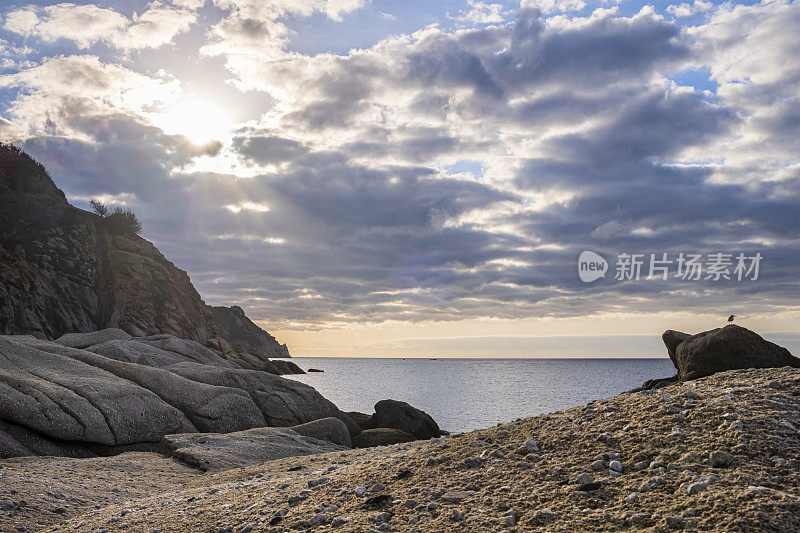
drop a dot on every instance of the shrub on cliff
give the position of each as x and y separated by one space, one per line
123 222
119 221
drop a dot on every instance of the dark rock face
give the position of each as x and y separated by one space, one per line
244 335
124 394
400 415
63 271
729 348
381 437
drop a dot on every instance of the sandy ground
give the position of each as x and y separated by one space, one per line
719 454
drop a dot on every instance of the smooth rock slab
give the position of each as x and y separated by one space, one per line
215 451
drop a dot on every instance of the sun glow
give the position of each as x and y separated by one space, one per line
199 121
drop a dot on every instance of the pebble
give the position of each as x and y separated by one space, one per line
510 518
638 519
599 464
456 515
632 498
530 445
779 461
544 515
317 519
339 521
316 482
360 491
674 522
413 519
432 506
378 487
615 465
457 496
720 459
383 518
584 479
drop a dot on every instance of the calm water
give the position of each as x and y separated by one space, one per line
467 394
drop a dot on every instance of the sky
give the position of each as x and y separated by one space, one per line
375 178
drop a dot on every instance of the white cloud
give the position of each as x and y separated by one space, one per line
89 24
482 13
685 10
555 6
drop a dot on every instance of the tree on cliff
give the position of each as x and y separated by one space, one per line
118 220
99 207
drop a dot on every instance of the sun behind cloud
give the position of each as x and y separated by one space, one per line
198 120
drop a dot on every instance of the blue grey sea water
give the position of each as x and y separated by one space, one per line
467 394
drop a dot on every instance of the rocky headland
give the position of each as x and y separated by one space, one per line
65 270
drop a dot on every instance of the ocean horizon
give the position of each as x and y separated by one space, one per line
465 394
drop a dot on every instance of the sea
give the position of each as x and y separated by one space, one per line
468 394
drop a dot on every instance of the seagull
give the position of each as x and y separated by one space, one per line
730 318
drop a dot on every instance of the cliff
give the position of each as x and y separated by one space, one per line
64 270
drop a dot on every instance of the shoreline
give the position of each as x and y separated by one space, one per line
487 479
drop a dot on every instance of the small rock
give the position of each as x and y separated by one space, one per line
632 498
599 464
638 519
360 491
383 518
377 487
457 496
544 515
777 461
615 465
530 445
689 513
316 482
456 515
585 478
339 521
721 459
317 519
674 522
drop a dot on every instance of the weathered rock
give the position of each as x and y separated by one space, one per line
402 416
381 437
84 340
729 348
330 429
364 421
214 451
58 400
65 399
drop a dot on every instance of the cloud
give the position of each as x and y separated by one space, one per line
554 6
89 24
340 204
684 10
482 13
